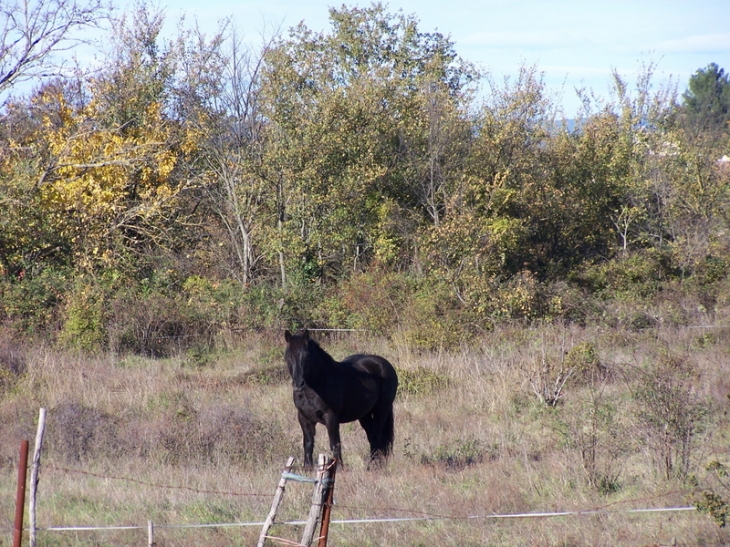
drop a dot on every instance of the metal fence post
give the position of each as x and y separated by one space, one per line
20 496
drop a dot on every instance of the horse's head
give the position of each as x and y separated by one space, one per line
297 357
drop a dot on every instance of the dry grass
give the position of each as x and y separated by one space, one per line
183 441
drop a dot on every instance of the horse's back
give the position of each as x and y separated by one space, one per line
379 368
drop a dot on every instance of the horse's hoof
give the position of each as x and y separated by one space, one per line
376 461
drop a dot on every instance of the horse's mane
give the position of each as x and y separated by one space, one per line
321 357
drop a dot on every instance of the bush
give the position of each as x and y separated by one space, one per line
76 432
301 305
433 319
671 412
583 360
522 297
420 381
148 324
592 425
231 433
12 360
83 326
31 303
218 434
637 275
157 324
369 301
708 500
180 434
268 376
571 303
548 378
457 454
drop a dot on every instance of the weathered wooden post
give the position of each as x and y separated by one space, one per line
324 472
150 534
34 472
20 495
275 504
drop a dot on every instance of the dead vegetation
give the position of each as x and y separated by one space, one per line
134 439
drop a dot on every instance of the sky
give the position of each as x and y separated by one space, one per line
574 43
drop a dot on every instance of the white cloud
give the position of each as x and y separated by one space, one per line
703 43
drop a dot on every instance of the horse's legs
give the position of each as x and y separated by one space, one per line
368 424
333 430
375 425
308 431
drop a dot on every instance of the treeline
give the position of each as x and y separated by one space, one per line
364 177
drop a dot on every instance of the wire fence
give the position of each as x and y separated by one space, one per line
391 515
376 520
415 515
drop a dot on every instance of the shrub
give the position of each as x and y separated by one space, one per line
31 303
522 297
12 360
261 307
432 319
231 433
420 381
369 301
268 376
571 303
636 275
708 500
457 454
592 426
583 360
548 378
714 505
83 326
148 324
158 325
76 432
217 434
672 413
301 306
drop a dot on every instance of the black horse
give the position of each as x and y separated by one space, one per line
362 387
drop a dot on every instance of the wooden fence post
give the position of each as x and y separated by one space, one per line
20 495
34 471
324 472
150 534
275 504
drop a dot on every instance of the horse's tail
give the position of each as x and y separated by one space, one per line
388 434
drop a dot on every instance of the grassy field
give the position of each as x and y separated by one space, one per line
492 429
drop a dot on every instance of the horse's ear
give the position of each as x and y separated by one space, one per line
305 334
287 335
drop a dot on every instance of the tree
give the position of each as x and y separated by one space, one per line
33 31
102 156
233 156
343 108
707 99
489 210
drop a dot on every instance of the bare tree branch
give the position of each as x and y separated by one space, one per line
31 31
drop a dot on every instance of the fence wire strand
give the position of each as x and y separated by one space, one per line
152 484
416 515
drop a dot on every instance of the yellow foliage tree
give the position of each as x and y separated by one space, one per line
106 189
